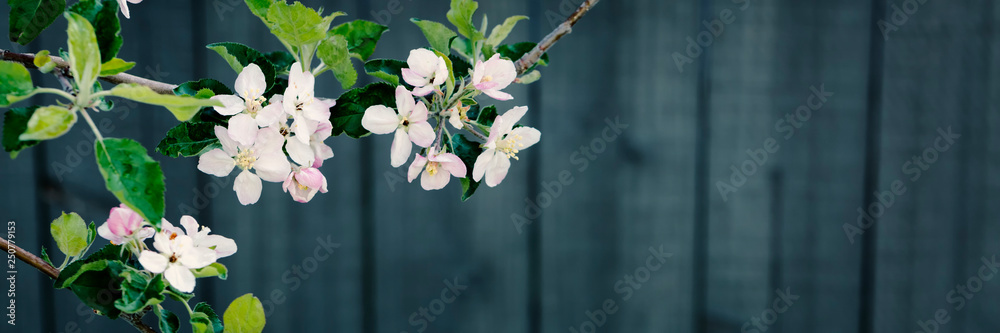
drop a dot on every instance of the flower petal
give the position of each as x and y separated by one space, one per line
412 78
483 161
228 144
216 162
243 128
433 182
180 278
152 261
272 167
300 152
527 136
510 118
497 171
400 150
419 113
380 119
269 140
498 95
453 164
250 83
190 225
269 115
247 186
422 61
223 246
231 104
404 102
441 73
422 134
197 257
419 162
423 91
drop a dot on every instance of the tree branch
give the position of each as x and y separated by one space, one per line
134 319
28 60
529 59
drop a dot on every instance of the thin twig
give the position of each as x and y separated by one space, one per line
529 59
134 319
28 60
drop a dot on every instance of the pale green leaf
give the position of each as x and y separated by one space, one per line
49 122
501 32
116 66
70 233
183 107
334 53
244 315
84 54
460 15
15 83
438 35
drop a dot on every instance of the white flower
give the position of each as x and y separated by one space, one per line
494 75
457 116
124 6
264 156
222 246
176 258
426 71
299 102
410 124
314 151
504 142
303 184
248 114
437 169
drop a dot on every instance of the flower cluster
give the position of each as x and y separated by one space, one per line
410 123
178 252
261 131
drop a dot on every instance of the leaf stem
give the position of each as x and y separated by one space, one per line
55 91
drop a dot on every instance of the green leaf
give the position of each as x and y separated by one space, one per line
516 51
529 78
438 35
103 16
15 83
238 56
189 139
70 233
45 256
181 106
94 282
213 270
168 321
138 291
362 36
462 46
91 235
297 24
501 32
84 54
460 15
484 116
244 315
115 66
43 61
346 115
200 323
282 61
334 53
468 151
260 7
49 122
389 70
132 176
204 88
15 122
28 18
206 309
461 68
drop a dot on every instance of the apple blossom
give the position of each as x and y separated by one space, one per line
246 107
426 71
410 124
494 75
457 116
222 246
124 225
176 258
303 184
264 156
437 169
504 143
314 151
124 6
298 101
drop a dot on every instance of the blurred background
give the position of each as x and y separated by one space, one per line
833 106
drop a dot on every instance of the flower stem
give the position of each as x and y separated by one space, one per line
97 133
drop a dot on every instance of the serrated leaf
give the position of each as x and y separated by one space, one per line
28 18
501 32
259 8
166 320
484 116
460 67
200 323
189 139
84 54
138 291
460 15
203 307
238 56
182 107
468 151
282 61
346 115
297 24
132 176
15 83
462 46
48 122
244 315
389 70
93 281
116 66
70 233
362 36
103 16
437 34
15 122
334 53
516 51
196 88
